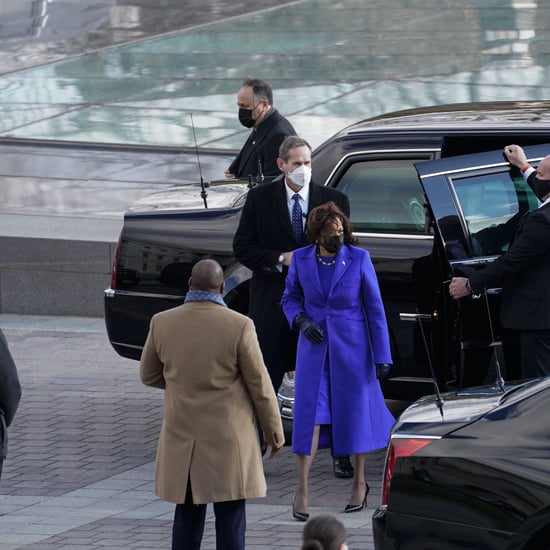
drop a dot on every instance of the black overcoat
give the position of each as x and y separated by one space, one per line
523 272
263 145
264 232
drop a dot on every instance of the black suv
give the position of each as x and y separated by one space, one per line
413 193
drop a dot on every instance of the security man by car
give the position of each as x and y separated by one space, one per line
523 272
258 156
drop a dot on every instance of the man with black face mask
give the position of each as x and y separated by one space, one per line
523 272
258 157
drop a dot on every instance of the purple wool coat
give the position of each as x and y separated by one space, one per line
356 337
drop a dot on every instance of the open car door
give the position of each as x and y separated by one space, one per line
475 203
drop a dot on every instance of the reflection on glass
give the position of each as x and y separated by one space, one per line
492 206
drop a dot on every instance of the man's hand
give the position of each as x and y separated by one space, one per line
459 287
229 175
287 258
274 452
516 156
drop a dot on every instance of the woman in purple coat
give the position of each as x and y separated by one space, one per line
332 297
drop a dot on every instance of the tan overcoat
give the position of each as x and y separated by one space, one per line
207 359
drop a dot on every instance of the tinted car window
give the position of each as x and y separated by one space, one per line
492 205
385 196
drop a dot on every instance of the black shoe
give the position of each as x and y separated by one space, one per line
357 507
343 467
300 516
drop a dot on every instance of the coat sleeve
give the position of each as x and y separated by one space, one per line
293 295
151 368
344 204
270 154
245 242
531 244
258 383
10 387
374 310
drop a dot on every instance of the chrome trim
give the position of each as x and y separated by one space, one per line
467 169
377 152
415 237
413 436
414 316
474 261
126 345
110 293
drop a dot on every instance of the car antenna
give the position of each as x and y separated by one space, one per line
260 176
499 380
438 399
204 194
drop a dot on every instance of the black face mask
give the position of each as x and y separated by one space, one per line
245 118
541 188
334 243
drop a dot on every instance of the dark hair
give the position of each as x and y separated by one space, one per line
324 214
291 142
323 532
260 89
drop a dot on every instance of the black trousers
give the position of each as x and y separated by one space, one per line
535 353
189 521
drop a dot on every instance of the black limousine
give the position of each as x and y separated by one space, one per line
469 469
417 180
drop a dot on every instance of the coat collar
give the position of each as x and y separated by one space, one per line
343 261
257 135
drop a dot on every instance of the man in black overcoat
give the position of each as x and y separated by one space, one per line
258 156
264 243
523 272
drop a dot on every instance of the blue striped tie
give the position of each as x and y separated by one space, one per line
297 225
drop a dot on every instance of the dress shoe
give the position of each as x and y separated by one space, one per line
342 467
357 507
300 516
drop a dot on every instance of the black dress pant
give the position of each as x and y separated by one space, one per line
189 521
535 353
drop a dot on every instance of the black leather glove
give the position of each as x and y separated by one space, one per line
310 329
382 370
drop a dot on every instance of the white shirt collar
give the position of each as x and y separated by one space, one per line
303 192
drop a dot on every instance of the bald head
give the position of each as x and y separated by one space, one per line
207 275
543 170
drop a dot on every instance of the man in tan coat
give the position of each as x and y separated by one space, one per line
207 359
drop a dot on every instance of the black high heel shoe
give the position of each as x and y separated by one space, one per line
357 507
300 516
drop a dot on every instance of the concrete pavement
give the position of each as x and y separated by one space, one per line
80 468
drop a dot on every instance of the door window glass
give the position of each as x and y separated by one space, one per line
385 196
492 205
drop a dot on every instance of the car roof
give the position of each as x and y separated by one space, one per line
505 116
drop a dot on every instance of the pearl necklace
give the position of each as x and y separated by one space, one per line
324 262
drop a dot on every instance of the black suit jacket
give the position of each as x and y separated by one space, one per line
264 232
523 272
263 145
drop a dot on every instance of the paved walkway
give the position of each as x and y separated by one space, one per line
80 469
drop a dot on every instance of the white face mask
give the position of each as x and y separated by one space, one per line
301 176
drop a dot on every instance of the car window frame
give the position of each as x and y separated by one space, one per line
417 154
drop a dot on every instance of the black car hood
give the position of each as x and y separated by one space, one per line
220 194
456 409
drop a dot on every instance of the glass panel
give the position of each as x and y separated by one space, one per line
385 196
493 205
